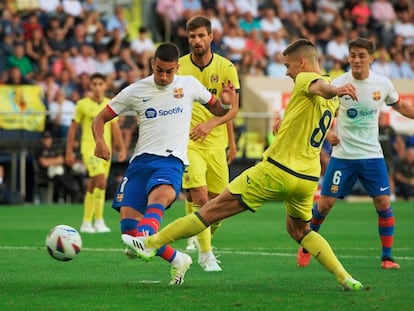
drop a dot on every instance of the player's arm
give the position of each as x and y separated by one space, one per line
322 88
225 104
119 141
232 148
404 108
70 143
98 126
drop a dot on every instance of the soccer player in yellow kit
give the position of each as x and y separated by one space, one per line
98 169
208 173
289 170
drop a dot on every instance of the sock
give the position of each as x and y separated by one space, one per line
88 207
386 231
99 202
149 225
320 249
183 227
317 218
204 237
129 226
214 227
188 207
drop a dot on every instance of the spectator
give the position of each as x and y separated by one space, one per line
401 6
57 42
89 6
361 15
315 26
64 61
77 39
337 50
37 48
400 69
404 174
171 13
103 64
61 111
142 49
66 83
117 21
236 42
84 61
15 77
256 47
244 6
82 86
31 24
92 25
50 157
50 87
116 43
216 23
384 17
247 23
404 27
192 8
328 10
124 64
270 23
19 59
217 44
381 64
73 8
289 7
276 43
336 69
276 66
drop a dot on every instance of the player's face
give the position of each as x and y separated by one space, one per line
98 87
360 60
164 72
199 41
293 66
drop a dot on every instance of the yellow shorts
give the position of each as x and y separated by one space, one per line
96 166
265 182
207 168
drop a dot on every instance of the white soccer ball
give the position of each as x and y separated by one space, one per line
63 243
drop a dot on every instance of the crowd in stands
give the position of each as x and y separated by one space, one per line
61 43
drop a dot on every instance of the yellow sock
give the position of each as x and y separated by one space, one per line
88 207
319 248
214 227
188 207
99 202
204 237
183 227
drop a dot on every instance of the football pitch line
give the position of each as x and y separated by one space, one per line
257 252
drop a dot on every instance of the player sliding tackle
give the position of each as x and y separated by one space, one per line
289 170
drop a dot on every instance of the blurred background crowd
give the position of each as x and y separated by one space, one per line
58 44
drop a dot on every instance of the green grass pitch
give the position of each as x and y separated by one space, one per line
256 253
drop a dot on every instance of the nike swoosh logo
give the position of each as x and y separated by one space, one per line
146 99
383 188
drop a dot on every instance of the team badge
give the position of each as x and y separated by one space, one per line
119 197
214 78
178 92
334 188
376 95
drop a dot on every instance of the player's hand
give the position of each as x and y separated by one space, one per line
102 151
228 92
201 131
122 155
231 154
333 138
347 89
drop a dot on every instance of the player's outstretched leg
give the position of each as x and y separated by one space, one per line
137 246
180 266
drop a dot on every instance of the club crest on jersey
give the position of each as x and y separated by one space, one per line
334 188
376 95
214 78
178 92
119 197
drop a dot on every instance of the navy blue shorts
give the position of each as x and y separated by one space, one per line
143 174
341 175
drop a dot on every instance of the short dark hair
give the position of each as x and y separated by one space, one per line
197 22
362 43
167 52
97 75
298 45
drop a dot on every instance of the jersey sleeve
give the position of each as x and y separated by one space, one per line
392 96
202 95
121 102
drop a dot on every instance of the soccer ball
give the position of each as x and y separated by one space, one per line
63 243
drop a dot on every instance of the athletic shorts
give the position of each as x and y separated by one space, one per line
266 182
143 174
342 174
207 168
96 166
